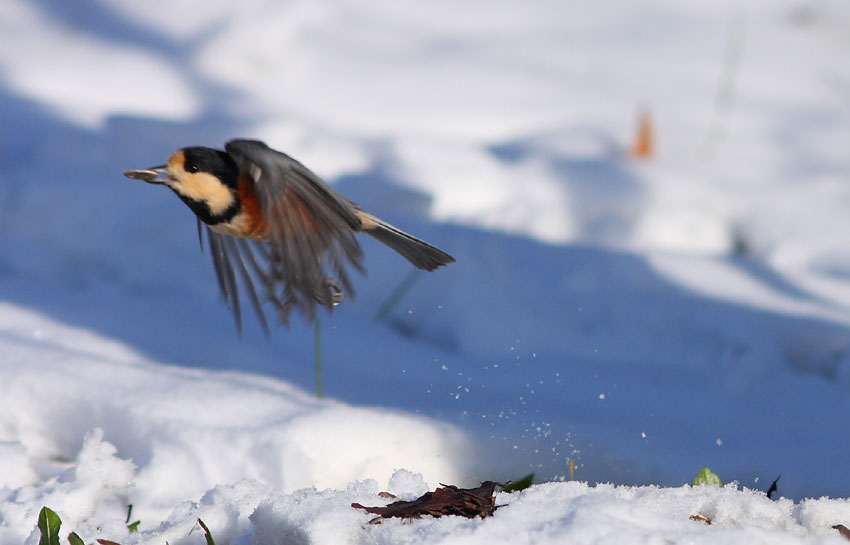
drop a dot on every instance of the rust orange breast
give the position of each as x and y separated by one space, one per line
255 224
250 222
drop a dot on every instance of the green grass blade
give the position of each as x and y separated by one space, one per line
521 484
132 526
207 535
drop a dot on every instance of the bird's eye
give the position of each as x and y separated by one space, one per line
192 167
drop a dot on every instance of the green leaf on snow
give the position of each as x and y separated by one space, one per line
48 524
706 476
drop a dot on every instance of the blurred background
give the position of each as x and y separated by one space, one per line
648 201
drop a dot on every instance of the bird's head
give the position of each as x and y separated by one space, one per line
205 179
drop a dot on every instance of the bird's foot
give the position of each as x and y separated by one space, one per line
330 294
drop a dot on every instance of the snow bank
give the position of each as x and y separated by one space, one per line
90 498
185 430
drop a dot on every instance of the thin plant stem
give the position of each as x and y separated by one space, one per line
402 288
725 98
318 349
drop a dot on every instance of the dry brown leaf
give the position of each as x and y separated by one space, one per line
643 145
446 500
843 530
701 518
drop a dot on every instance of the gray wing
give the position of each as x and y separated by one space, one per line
311 239
251 262
231 256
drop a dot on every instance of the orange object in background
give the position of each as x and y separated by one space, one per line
644 143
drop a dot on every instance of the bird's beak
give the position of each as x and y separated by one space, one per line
153 175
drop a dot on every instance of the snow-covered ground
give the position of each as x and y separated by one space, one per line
641 318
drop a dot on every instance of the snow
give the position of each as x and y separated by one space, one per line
641 318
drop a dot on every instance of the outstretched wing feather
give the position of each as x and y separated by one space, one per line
226 277
247 281
229 256
311 233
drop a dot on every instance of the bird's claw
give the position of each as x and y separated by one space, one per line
334 291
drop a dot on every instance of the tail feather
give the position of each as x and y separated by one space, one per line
421 254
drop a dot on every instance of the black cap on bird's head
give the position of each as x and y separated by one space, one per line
206 179
198 159
190 160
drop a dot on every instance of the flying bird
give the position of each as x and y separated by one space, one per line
278 226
